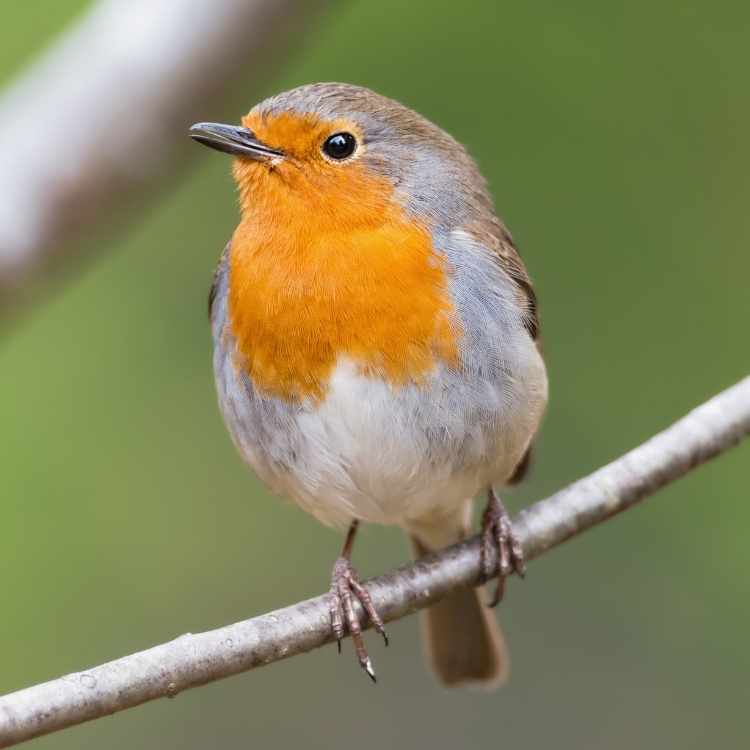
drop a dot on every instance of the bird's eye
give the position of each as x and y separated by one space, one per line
340 145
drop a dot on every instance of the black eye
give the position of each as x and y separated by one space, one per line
340 145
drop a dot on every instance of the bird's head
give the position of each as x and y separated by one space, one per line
345 154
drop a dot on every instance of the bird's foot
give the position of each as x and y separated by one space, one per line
345 587
500 548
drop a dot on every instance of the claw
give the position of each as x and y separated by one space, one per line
367 666
500 546
499 593
345 587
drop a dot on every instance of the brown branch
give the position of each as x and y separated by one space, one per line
195 659
103 115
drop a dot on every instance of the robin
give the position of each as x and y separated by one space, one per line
376 343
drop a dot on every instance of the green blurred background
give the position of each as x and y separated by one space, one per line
615 138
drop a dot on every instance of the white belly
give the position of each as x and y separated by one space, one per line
397 455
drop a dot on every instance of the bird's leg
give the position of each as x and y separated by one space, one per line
499 545
345 587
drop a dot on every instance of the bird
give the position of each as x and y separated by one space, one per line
376 345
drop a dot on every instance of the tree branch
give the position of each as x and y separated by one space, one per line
103 115
195 659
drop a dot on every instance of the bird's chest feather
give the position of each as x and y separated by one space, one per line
304 294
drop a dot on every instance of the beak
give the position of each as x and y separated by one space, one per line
233 140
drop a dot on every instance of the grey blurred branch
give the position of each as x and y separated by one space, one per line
103 114
195 659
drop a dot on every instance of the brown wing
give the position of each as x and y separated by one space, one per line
215 280
493 234
513 265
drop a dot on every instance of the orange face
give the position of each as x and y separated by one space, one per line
326 264
305 180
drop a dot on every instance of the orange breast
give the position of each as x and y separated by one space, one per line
318 273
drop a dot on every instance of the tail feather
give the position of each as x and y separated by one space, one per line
463 640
